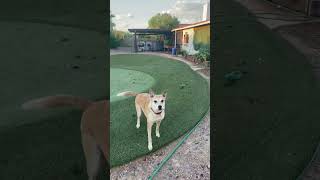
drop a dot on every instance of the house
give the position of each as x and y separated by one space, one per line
190 37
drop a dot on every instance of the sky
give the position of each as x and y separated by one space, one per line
136 13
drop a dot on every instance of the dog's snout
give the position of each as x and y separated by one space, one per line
159 107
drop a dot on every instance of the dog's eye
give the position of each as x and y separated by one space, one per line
162 101
155 101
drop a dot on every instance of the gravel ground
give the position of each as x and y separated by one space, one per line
191 160
306 38
274 16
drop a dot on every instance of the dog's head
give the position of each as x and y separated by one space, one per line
158 102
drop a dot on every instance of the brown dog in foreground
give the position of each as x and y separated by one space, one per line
152 106
94 127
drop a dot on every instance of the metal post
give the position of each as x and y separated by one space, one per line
135 42
175 39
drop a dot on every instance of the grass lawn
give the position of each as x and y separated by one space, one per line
39 60
267 124
187 102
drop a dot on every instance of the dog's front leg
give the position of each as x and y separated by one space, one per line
149 128
157 129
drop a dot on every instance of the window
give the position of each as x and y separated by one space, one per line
186 38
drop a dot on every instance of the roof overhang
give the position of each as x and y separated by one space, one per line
192 26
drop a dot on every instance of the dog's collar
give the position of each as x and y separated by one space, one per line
155 112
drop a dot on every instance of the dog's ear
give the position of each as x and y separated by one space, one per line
164 93
151 93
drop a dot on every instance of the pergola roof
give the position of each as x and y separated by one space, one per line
150 31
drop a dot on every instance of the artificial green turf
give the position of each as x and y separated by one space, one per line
275 137
40 60
187 102
77 13
125 80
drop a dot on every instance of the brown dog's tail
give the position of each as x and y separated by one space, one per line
57 101
127 93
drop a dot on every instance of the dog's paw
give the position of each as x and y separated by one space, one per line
138 125
158 135
150 147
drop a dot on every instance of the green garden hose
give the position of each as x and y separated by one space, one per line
167 158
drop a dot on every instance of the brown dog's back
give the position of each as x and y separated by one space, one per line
95 117
95 122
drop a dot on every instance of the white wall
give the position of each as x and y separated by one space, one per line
189 47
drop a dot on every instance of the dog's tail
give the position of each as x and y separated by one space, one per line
127 93
57 101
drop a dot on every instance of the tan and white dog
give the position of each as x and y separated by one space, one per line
94 127
153 107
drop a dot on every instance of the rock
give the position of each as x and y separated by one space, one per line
64 39
75 67
234 75
182 86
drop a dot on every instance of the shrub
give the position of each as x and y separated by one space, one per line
184 53
203 54
168 42
198 46
114 42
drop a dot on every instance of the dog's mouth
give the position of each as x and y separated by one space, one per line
157 113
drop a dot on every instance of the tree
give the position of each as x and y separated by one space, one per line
163 21
114 42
